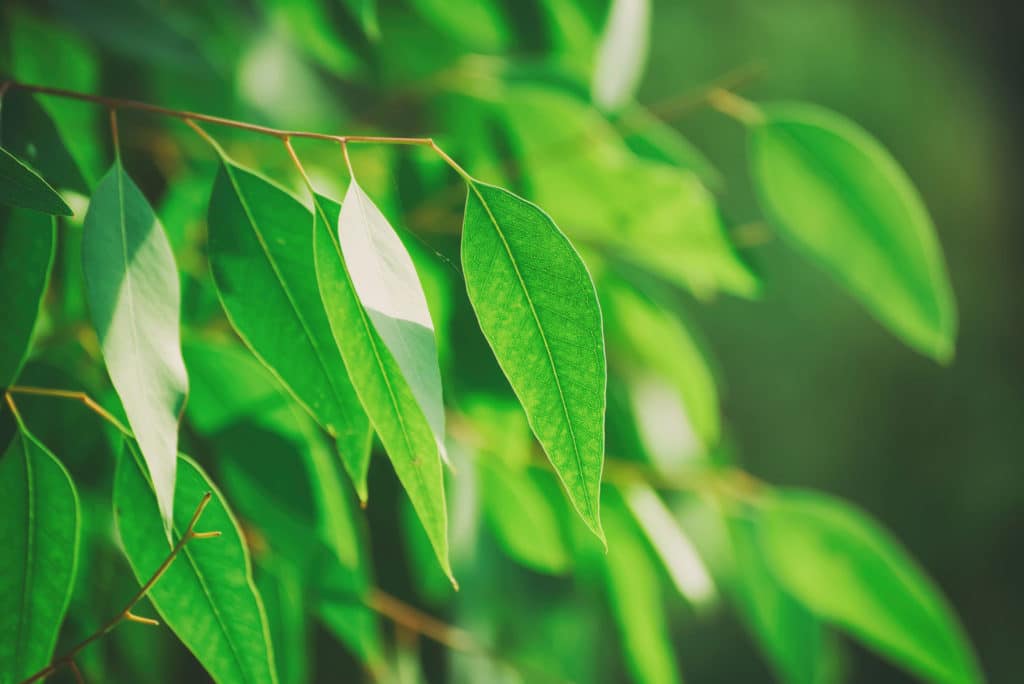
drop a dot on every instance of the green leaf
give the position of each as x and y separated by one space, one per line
135 301
20 186
850 572
839 196
384 278
281 589
633 584
207 594
27 241
261 254
651 138
28 132
621 53
537 307
477 24
366 13
383 390
39 526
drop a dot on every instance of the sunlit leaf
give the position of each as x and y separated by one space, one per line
39 526
135 301
838 195
383 390
850 572
27 240
261 254
537 307
389 290
207 594
22 187
622 53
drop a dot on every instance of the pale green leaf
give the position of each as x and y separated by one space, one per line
651 138
621 53
479 24
206 596
839 196
850 572
390 292
537 307
39 526
20 186
135 301
261 254
27 240
383 390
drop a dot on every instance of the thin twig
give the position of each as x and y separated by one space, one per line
126 613
89 402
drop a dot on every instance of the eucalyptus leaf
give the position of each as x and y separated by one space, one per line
28 132
280 588
621 53
261 254
27 241
40 528
135 301
537 307
850 572
207 595
20 186
383 390
839 196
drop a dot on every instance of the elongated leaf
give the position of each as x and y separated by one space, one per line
383 390
622 53
39 525
28 132
261 254
281 589
207 594
840 196
20 186
537 308
27 240
651 138
390 292
135 301
850 572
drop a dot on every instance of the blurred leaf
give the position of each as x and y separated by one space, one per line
308 22
262 262
651 138
22 187
27 240
383 390
281 590
841 198
39 513
634 590
850 572
621 54
384 278
207 594
134 297
366 13
477 24
28 132
537 307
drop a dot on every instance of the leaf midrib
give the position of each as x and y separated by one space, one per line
547 349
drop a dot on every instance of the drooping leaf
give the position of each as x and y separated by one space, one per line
28 132
383 390
633 585
22 187
390 292
537 307
261 254
39 526
839 196
27 240
281 589
850 572
622 53
135 301
206 596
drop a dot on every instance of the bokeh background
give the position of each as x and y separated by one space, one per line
814 392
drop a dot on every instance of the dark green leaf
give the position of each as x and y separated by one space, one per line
135 301
207 594
22 187
28 132
261 254
27 240
840 196
537 307
850 572
39 526
281 589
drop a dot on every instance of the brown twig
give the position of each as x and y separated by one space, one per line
126 613
89 402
